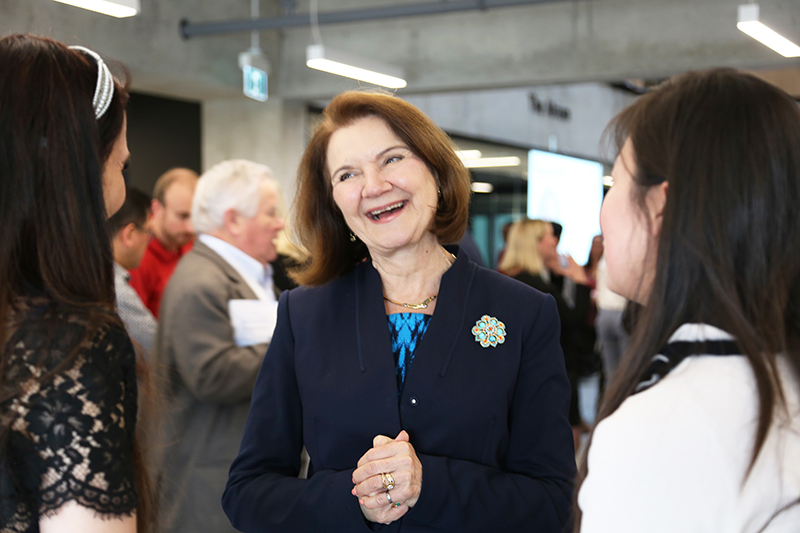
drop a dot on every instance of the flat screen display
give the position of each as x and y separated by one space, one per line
567 190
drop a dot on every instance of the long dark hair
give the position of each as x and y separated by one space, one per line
727 144
52 150
52 210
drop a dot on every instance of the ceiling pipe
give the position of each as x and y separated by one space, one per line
352 15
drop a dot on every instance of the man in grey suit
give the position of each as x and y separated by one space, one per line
217 317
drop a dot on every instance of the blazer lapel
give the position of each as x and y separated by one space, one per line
375 346
372 333
448 322
439 343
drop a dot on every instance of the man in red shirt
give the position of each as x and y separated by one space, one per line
173 234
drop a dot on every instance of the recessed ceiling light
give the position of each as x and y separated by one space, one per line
488 162
749 23
114 8
326 59
482 187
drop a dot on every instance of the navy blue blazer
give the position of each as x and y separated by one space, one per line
489 424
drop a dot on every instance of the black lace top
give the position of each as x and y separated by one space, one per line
70 437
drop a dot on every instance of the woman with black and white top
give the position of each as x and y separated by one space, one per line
700 429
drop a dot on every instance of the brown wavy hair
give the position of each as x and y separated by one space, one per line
727 144
318 222
55 245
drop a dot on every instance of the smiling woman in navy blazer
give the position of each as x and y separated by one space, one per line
429 392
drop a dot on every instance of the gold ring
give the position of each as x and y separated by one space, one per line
396 504
388 481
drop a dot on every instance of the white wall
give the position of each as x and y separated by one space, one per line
508 115
271 133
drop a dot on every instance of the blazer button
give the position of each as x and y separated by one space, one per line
413 401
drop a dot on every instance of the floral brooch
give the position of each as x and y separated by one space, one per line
489 331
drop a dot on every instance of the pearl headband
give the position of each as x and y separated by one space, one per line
104 91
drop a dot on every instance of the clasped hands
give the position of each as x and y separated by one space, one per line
388 456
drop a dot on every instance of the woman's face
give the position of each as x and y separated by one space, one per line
113 182
388 195
548 246
627 236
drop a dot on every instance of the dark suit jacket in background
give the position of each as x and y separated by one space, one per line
577 332
209 381
489 424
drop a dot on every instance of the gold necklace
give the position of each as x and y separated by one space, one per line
422 305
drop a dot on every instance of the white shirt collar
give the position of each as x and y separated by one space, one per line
698 332
121 272
244 264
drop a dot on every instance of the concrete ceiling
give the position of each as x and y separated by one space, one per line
551 42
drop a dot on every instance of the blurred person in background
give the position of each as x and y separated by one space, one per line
69 458
290 256
129 230
218 316
171 224
470 247
532 258
700 228
506 229
611 333
430 392
558 229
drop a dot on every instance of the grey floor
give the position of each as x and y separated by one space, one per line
588 395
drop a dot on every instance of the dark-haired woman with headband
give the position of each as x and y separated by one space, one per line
68 397
700 429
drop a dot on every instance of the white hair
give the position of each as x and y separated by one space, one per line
234 184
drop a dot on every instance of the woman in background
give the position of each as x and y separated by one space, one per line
67 368
429 392
700 429
532 258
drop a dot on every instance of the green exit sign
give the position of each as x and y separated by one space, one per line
255 83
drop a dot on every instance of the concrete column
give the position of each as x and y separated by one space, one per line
271 133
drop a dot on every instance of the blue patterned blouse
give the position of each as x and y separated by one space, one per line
406 330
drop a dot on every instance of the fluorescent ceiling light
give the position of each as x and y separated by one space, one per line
486 162
469 154
749 24
114 8
350 66
482 186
